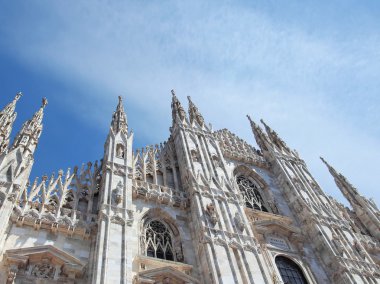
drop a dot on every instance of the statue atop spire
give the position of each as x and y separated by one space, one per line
31 130
119 118
194 113
7 117
177 109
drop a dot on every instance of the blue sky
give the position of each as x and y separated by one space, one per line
310 69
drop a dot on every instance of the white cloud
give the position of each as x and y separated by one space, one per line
230 59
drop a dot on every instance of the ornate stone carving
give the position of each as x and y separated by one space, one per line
12 197
120 150
43 270
239 222
336 241
117 193
178 252
359 248
210 209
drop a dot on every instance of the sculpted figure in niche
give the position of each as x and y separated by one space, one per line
360 249
120 150
117 193
210 209
239 221
179 253
195 156
337 243
216 162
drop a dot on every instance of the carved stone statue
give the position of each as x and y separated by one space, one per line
337 243
43 270
239 221
210 209
360 249
195 156
117 193
120 151
179 253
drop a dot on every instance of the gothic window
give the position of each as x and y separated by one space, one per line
290 272
251 194
158 240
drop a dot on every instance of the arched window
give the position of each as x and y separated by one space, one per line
158 240
251 194
290 272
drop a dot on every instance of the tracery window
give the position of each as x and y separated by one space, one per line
158 240
290 272
251 194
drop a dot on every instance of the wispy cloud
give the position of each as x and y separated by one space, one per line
311 76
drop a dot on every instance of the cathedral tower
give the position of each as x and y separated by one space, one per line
334 242
113 256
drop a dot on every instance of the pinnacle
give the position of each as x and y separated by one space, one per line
44 102
328 165
250 120
119 118
18 96
324 161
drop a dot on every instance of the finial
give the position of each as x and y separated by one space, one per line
263 122
120 99
173 93
18 96
253 124
327 164
44 102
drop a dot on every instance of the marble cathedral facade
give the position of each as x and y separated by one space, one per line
203 207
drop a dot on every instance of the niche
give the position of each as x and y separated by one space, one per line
120 153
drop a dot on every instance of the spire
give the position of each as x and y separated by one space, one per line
31 130
273 136
119 119
177 109
194 113
260 137
359 203
7 117
348 190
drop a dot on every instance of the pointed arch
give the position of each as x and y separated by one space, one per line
160 237
289 270
252 187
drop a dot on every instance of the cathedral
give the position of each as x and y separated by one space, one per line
202 207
